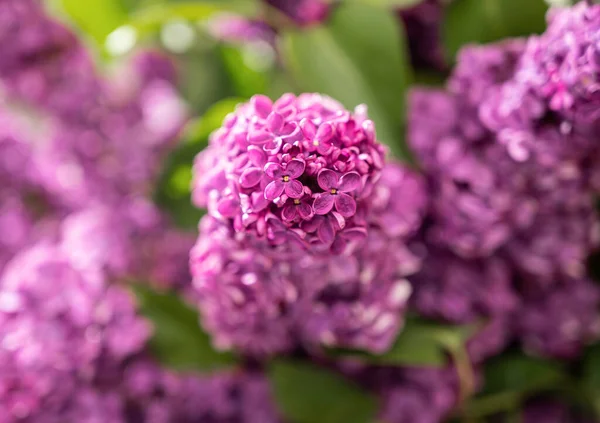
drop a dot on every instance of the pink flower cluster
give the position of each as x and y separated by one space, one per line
299 168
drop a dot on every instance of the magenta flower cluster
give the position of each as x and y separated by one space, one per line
79 158
510 158
299 168
263 298
74 350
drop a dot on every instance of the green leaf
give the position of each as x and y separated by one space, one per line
306 393
510 379
483 21
358 57
521 373
245 80
591 368
212 119
178 340
591 377
174 187
97 18
420 343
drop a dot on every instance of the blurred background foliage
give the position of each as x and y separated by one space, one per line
359 55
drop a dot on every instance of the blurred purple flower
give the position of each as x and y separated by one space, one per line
303 12
560 321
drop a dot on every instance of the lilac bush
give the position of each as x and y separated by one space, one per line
412 282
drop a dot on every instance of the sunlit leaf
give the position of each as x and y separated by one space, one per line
419 343
483 21
358 57
97 18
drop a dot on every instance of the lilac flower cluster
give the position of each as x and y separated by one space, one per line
512 219
298 168
78 160
265 299
409 394
72 349
95 152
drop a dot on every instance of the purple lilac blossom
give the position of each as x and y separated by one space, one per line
474 185
263 299
461 291
412 394
561 321
158 396
532 209
95 152
297 151
243 293
73 350
557 79
240 30
59 325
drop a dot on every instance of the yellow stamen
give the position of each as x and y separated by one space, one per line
333 191
286 178
296 201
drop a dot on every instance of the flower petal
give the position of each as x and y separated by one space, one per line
324 147
294 189
295 168
323 203
258 202
354 234
327 179
273 170
228 207
272 147
339 245
324 133
345 205
312 225
305 211
250 177
274 189
350 182
308 129
262 105
326 232
289 213
257 156
275 122
259 137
